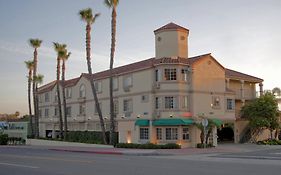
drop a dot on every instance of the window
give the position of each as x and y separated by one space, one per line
82 91
144 133
40 98
184 74
96 110
157 75
216 102
185 133
68 111
128 105
56 96
170 103
68 93
115 83
144 98
40 113
171 133
230 104
56 111
185 102
47 98
157 102
82 108
159 133
115 107
46 112
170 74
98 86
127 81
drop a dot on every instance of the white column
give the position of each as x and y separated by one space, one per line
242 89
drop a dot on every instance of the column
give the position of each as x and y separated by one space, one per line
261 89
151 133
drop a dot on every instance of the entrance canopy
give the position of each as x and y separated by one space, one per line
172 122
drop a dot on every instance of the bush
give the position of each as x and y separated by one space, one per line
269 142
203 145
3 139
148 146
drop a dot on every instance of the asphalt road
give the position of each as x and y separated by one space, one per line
35 161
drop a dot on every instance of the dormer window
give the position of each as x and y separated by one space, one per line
82 91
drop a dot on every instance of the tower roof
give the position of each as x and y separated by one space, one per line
170 26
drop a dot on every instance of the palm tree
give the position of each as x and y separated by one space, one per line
87 16
29 65
64 59
60 49
276 91
38 79
35 43
112 4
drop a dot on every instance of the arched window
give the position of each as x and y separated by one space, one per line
82 91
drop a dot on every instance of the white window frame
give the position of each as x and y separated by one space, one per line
68 111
230 106
127 81
82 91
115 83
171 133
46 112
170 74
68 92
157 103
170 102
116 107
47 97
82 109
98 86
185 133
128 105
159 135
144 133
185 102
184 75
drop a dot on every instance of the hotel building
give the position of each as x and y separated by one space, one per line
159 99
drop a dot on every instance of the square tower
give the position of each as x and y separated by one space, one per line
171 40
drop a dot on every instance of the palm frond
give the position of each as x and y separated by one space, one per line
35 43
29 64
39 79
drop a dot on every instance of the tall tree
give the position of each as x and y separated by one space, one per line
35 43
262 113
64 59
112 4
87 16
30 65
60 49
38 79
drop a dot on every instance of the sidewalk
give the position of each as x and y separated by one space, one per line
108 149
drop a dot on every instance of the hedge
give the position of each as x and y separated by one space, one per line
269 142
148 146
4 139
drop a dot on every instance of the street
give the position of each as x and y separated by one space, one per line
35 161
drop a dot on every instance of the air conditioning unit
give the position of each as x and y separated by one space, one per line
157 85
126 89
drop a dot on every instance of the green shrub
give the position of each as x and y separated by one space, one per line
269 142
3 139
203 145
148 146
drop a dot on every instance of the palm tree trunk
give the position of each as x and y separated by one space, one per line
113 40
59 100
29 102
36 127
88 52
64 100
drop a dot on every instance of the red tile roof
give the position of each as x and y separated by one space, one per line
241 76
146 64
170 26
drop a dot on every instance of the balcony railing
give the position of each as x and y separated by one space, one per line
247 94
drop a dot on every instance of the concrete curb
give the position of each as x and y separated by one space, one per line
110 152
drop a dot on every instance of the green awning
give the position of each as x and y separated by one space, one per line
142 122
217 122
172 122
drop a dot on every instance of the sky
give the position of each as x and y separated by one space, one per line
243 35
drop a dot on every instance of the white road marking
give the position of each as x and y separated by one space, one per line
18 165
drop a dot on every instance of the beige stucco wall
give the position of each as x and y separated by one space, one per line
171 44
